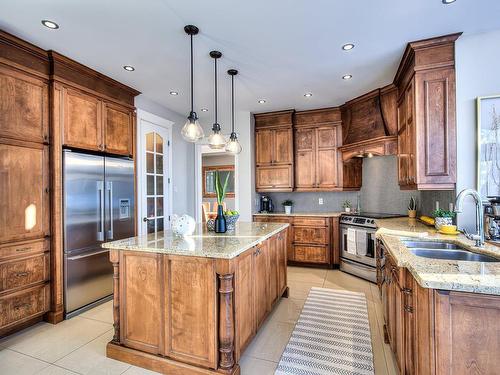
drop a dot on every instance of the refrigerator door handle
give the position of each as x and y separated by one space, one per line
100 191
109 187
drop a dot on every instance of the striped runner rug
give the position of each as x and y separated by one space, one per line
332 336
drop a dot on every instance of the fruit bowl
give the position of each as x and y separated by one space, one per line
231 221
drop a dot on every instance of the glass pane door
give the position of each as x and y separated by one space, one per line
155 182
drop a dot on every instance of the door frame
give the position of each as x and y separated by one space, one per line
200 149
147 119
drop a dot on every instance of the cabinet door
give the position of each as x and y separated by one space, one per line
118 129
282 146
305 158
24 107
272 252
245 299
398 325
82 121
24 194
261 283
274 178
264 147
326 159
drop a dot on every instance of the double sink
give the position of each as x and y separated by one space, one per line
446 251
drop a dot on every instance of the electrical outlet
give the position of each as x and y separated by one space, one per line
320 200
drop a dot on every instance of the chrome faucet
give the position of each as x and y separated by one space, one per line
479 236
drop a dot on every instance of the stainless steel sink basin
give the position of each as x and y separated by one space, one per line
432 245
445 250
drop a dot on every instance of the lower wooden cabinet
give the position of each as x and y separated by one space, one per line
311 240
438 332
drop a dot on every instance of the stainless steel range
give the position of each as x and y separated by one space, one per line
357 231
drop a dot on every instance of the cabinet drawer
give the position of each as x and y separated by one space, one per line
310 235
17 273
311 254
260 219
23 249
310 221
23 305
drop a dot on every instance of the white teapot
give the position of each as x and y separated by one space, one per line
183 225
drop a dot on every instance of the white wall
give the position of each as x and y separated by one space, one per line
183 174
477 74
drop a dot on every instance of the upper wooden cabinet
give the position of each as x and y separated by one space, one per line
274 151
94 124
24 106
24 191
318 160
426 115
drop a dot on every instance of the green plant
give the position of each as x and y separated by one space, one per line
347 204
443 213
412 204
287 202
220 190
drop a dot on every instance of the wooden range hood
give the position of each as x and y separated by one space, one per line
369 124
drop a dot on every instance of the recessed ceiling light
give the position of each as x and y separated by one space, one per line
308 94
348 46
261 101
347 76
174 93
204 109
129 68
50 24
448 1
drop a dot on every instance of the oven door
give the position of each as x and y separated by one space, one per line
369 258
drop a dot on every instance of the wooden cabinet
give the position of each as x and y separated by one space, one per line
91 123
245 296
426 115
24 191
274 151
317 138
24 108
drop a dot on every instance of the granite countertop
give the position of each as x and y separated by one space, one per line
202 243
476 277
317 214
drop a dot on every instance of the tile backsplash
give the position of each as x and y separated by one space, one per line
380 193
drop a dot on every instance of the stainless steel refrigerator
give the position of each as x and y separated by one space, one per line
98 207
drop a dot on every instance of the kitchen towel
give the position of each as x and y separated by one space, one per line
361 242
351 241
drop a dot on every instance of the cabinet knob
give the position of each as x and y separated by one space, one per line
408 309
45 138
406 290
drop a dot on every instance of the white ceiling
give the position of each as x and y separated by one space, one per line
282 48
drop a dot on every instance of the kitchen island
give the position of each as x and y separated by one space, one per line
191 305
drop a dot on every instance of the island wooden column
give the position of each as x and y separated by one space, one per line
225 273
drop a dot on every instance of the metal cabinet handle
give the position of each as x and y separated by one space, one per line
23 249
19 307
22 274
408 309
406 290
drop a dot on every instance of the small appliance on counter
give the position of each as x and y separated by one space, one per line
357 243
492 219
266 204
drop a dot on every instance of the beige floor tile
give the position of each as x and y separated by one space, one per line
255 366
13 363
103 313
313 275
134 370
336 279
91 358
300 289
55 370
288 310
50 342
270 341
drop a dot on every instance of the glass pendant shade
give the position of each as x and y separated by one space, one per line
192 130
233 146
216 140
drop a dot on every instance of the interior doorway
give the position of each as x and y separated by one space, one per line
208 163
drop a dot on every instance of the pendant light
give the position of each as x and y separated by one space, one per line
192 131
233 146
216 139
